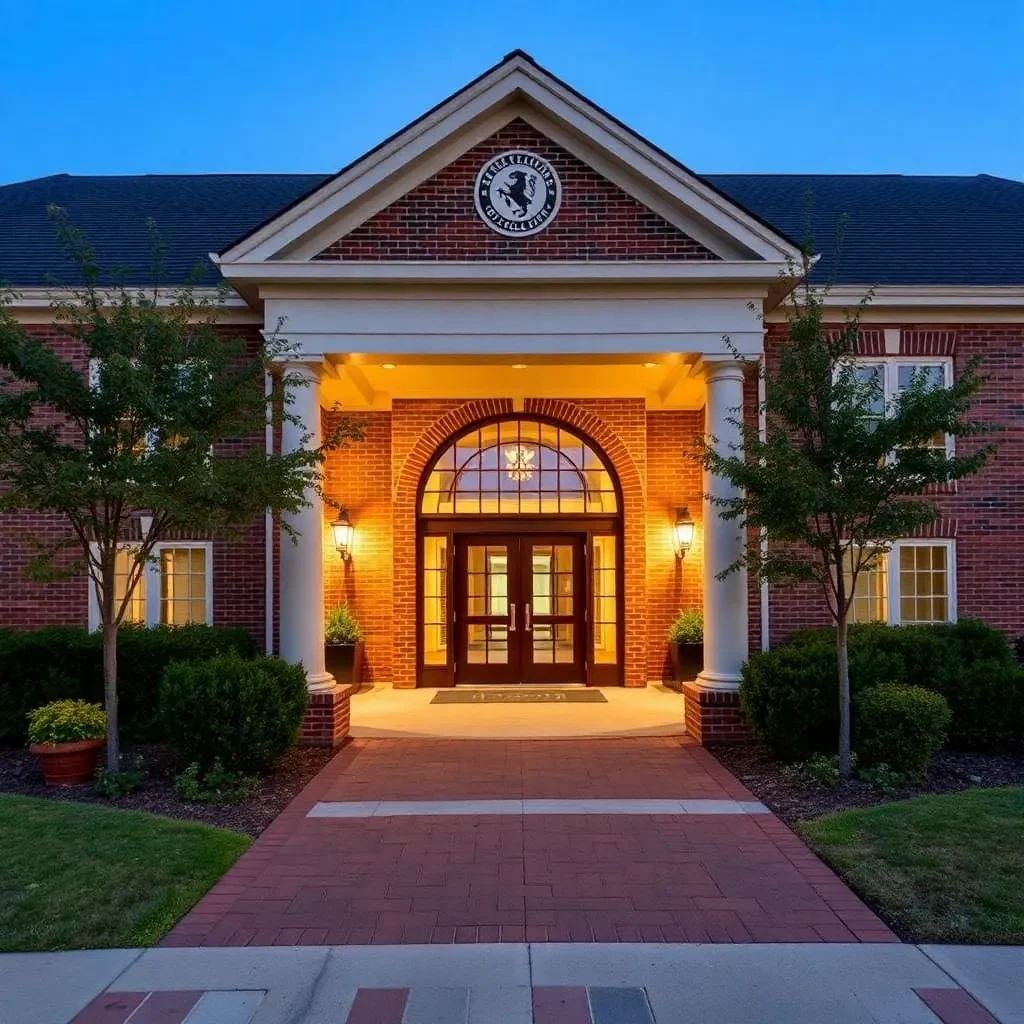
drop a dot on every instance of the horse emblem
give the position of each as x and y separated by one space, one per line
518 193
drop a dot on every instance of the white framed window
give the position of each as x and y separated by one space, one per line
896 373
913 583
176 585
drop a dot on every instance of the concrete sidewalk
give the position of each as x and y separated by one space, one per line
543 983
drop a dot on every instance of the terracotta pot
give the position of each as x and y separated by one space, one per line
345 661
67 764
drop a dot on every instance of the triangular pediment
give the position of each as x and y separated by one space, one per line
441 218
416 197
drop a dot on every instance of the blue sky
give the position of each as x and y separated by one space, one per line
725 85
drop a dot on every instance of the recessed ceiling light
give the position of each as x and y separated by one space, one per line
519 366
650 366
387 366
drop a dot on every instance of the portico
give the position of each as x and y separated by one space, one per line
530 390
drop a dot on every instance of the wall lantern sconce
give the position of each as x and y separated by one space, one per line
343 529
682 532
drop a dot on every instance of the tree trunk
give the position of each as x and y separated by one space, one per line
844 698
109 627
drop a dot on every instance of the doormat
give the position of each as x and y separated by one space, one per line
519 696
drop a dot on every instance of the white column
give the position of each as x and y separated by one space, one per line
725 601
302 566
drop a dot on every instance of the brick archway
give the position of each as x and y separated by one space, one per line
411 459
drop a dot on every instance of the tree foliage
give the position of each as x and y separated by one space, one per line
149 424
842 471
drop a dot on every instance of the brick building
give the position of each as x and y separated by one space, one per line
535 311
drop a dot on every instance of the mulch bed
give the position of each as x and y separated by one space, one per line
20 774
763 774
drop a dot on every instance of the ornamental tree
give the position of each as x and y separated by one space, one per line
156 429
842 471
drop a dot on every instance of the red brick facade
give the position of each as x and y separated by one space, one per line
378 480
713 716
984 513
438 221
238 564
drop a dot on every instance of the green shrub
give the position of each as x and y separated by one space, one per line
688 627
67 721
66 662
901 726
341 627
244 713
216 786
988 707
790 695
822 769
883 777
114 785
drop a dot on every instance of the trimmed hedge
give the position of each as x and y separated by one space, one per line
241 712
901 726
790 694
66 662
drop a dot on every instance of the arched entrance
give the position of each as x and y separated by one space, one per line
519 558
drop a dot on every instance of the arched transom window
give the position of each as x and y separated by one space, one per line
518 466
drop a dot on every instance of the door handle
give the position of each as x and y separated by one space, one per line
527 626
511 618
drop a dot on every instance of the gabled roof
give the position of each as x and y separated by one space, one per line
899 229
516 87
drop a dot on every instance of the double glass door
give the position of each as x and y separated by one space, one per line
519 608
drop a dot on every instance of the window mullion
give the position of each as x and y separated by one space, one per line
153 587
892 566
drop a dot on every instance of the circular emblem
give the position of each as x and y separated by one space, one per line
517 193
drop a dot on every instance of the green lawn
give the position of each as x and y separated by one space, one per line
75 876
939 868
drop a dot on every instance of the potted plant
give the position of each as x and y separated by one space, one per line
66 737
686 645
343 645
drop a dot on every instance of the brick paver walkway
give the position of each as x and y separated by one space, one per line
531 877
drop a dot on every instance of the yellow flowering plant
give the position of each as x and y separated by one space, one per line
66 721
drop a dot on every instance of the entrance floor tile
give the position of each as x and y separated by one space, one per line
719 868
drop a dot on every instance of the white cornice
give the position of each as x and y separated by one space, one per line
33 298
389 271
925 295
35 305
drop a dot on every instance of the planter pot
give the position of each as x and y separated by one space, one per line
67 764
687 661
345 662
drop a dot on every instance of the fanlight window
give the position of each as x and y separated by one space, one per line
519 466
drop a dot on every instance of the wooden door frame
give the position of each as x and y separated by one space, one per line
454 526
509 672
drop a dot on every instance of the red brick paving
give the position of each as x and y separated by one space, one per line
557 878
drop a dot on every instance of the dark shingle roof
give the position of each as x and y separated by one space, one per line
899 229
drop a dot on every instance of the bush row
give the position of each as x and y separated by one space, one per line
790 694
65 662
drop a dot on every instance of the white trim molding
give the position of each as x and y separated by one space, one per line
893 591
152 578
